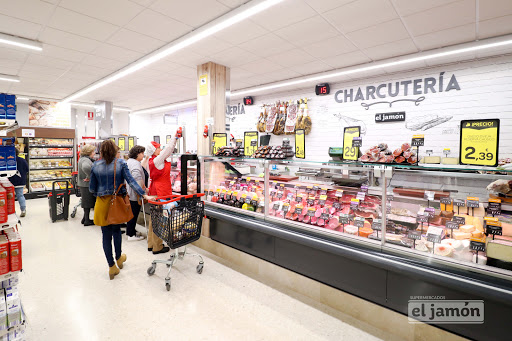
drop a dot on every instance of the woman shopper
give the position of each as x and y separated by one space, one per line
136 154
19 181
87 153
160 175
102 186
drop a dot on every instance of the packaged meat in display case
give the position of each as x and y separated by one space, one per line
381 153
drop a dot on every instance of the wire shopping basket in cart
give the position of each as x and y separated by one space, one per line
177 226
58 202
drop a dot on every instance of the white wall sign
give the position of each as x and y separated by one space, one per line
28 132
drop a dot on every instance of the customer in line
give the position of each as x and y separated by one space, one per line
160 183
19 180
102 185
136 155
87 153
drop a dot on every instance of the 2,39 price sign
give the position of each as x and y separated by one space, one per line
300 144
349 151
479 141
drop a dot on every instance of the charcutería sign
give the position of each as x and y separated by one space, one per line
409 87
390 117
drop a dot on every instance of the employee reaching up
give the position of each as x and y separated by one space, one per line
160 183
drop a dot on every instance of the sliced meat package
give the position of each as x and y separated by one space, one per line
271 120
291 119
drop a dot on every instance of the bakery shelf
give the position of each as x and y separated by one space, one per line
50 157
50 146
51 168
49 179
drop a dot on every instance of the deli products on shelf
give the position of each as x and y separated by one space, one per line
382 154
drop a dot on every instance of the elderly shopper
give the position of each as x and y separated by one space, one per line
87 153
136 155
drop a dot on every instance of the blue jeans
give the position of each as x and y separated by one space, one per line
20 197
111 232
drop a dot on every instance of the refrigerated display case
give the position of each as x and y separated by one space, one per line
382 232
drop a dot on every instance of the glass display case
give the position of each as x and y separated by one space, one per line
454 217
183 170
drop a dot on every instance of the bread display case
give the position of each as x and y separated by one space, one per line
382 232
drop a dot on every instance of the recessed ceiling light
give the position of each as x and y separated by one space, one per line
235 16
20 42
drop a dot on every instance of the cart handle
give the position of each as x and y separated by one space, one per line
172 198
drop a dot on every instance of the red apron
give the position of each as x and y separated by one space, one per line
160 179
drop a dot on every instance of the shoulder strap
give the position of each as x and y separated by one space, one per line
115 171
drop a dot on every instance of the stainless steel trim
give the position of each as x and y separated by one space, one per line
236 210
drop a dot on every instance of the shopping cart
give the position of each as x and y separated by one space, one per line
74 181
58 202
177 227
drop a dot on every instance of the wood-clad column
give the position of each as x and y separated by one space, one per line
211 102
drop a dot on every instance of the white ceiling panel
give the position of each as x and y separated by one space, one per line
18 27
233 3
393 49
311 68
261 66
13 54
38 72
158 26
164 65
305 32
451 15
35 11
117 53
47 61
377 35
281 75
347 59
408 7
360 14
489 9
292 58
495 27
90 70
51 1
238 84
117 12
456 35
191 12
284 14
267 45
81 25
331 47
185 71
187 58
68 40
11 64
232 57
326 5
241 32
210 46
61 53
135 41
101 62
240 74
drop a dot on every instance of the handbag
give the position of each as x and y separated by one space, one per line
119 210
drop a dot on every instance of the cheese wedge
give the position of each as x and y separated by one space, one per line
445 207
432 159
450 161
467 228
478 223
500 249
459 235
477 234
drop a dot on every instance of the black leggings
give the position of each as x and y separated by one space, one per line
86 213
130 226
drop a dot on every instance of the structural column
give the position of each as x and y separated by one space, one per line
103 119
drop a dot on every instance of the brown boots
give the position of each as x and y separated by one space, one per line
114 269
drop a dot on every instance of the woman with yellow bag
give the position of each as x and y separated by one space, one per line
107 178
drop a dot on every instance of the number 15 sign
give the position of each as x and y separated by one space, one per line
479 142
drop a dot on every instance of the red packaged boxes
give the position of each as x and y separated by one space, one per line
3 205
4 255
11 196
15 252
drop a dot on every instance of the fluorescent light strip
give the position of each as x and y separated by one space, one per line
9 78
235 16
449 51
20 42
165 107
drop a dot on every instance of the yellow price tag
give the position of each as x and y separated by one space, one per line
131 142
323 197
349 152
495 200
219 140
250 142
300 144
121 143
248 179
479 140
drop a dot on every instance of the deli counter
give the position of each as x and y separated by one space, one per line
385 233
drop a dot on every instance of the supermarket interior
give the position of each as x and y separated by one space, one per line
255 169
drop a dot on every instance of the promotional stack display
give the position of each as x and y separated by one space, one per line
7 107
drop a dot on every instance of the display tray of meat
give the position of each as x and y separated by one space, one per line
230 151
382 154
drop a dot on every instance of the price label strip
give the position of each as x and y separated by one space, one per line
300 144
350 152
479 142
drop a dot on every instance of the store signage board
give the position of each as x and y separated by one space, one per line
131 142
121 143
28 132
219 140
390 117
300 144
479 142
203 85
250 142
350 152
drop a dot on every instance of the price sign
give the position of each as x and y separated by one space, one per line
364 189
416 235
421 218
311 201
354 204
325 216
309 189
452 225
228 196
496 230
377 224
249 147
298 210
344 219
121 143
211 193
430 211
429 195
280 195
349 151
359 222
357 142
336 205
322 200
316 188
219 140
477 246
323 190
254 202
247 200
300 144
276 206
434 238
494 207
131 142
286 207
311 212
361 196
339 193
472 202
446 200
418 140
479 141
390 197
298 198
289 197
459 220
459 202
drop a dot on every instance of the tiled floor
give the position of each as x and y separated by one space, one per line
67 295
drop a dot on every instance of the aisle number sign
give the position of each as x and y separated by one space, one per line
219 140
250 142
479 142
300 144
131 142
121 143
349 152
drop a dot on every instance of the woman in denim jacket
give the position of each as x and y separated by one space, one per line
102 186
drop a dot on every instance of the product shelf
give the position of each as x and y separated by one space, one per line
51 168
50 179
50 146
8 125
50 157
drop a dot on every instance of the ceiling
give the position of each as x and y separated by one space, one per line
84 41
